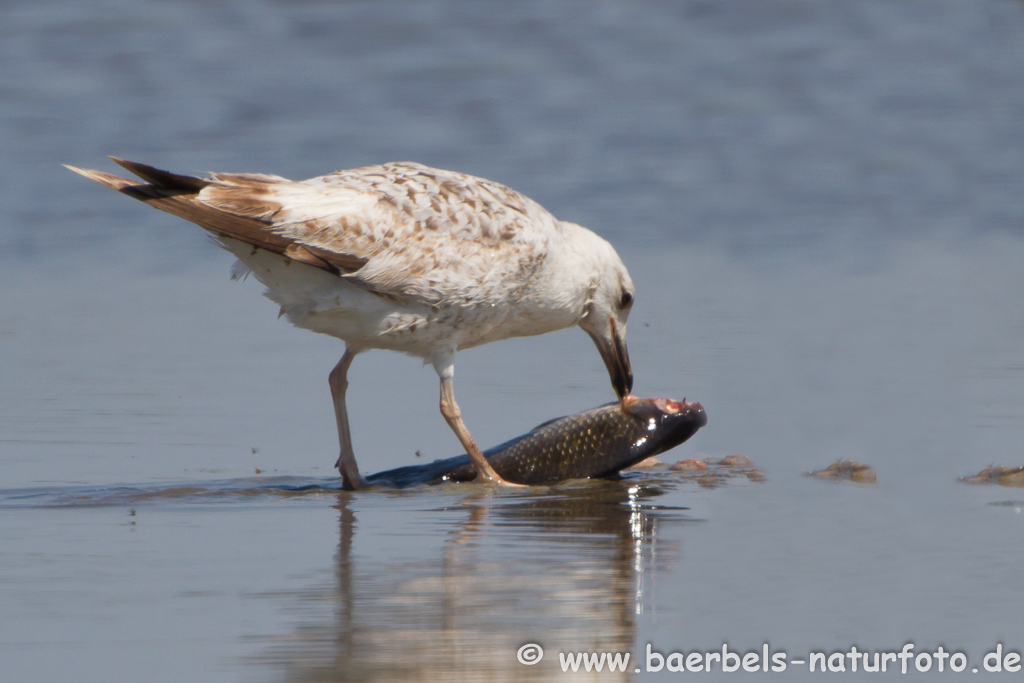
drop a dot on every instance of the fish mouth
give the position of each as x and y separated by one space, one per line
682 420
616 358
691 408
665 410
671 422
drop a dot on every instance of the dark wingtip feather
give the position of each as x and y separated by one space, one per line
163 180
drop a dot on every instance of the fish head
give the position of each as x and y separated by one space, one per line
668 422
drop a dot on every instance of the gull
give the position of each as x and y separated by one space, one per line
408 258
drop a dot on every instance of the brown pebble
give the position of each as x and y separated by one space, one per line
647 464
690 465
1015 479
864 475
736 461
847 469
998 474
711 481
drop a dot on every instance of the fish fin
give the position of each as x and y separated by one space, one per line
552 420
556 419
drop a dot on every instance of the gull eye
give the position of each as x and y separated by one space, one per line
626 301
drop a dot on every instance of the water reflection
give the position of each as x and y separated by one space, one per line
569 570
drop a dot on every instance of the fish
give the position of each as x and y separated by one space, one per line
597 443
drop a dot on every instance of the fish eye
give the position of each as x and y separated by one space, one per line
627 300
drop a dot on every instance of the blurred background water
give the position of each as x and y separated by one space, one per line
820 204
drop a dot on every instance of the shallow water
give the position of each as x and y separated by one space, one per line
820 206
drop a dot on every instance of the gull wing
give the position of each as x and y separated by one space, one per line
401 230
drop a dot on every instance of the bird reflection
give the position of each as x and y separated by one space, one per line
567 569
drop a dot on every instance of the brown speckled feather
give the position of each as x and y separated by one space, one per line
402 230
408 258
179 195
399 256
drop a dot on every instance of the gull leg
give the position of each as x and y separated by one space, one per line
453 416
346 463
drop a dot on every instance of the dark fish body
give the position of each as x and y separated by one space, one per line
595 443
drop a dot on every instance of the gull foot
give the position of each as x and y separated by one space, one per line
496 480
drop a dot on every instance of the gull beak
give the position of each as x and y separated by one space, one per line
612 347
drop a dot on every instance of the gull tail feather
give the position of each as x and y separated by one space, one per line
179 195
226 205
164 180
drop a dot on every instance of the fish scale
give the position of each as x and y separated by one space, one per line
599 442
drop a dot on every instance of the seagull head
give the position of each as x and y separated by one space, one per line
605 314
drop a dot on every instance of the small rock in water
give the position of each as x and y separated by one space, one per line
711 474
736 461
647 464
847 470
998 474
689 465
754 475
